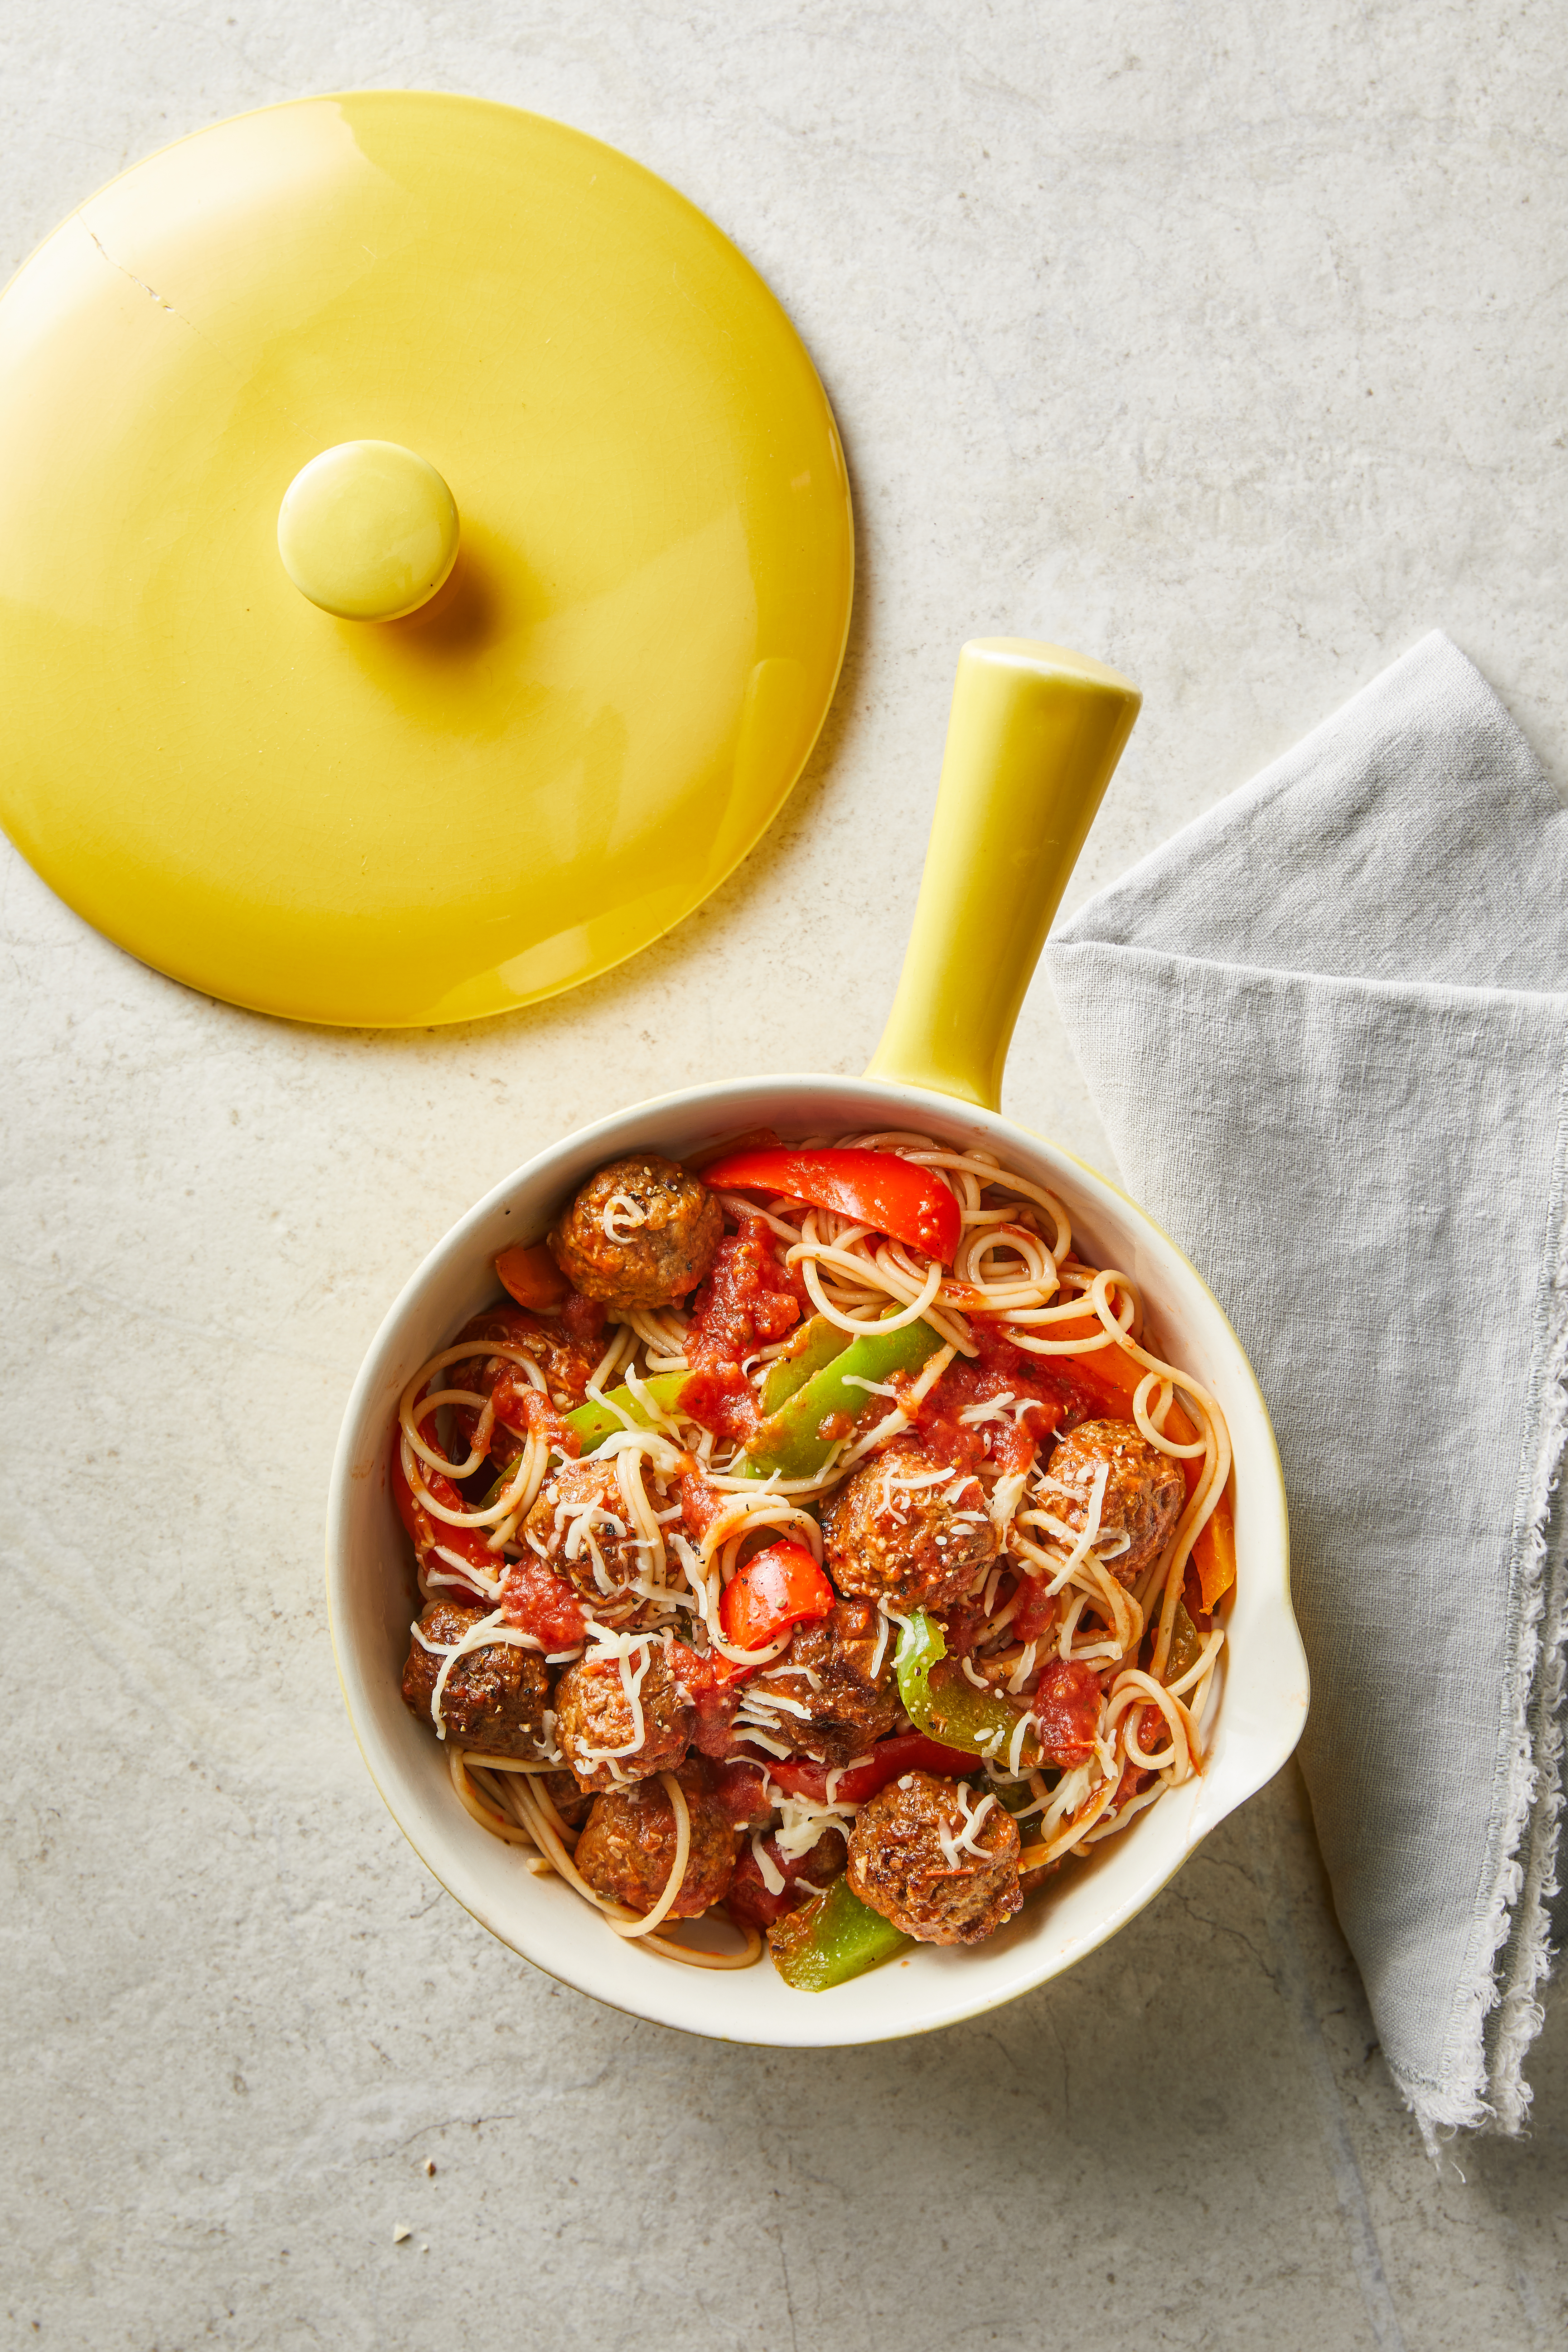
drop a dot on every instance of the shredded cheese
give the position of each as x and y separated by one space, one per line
766 1701
955 1843
801 1822
620 1648
773 1876
620 1216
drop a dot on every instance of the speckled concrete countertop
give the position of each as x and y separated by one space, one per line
1223 340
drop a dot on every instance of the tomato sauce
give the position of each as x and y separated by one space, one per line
1055 1402
540 1602
585 1320
1036 1613
424 1530
719 1398
747 1301
966 1621
705 1681
701 1504
566 1363
742 1789
541 1417
1066 1709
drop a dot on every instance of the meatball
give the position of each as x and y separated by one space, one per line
742 1787
908 1529
641 1233
1144 1491
580 1527
564 1361
712 1702
627 1850
595 1724
570 1801
950 1892
495 1698
833 1694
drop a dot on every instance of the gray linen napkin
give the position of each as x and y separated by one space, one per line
1326 1029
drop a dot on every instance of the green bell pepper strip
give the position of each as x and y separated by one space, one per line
594 1423
1186 1647
831 1938
816 1344
950 1709
496 1490
811 1388
790 1442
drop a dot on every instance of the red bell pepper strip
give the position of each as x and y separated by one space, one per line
425 1531
778 1587
532 1276
907 1751
876 1188
748 1900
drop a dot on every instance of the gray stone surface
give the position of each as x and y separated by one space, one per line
1223 340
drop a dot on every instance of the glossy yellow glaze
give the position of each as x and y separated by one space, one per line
368 531
1033 740
573 743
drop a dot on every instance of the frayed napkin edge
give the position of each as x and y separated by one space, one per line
1486 2090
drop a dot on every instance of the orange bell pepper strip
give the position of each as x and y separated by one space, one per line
1213 1554
532 1276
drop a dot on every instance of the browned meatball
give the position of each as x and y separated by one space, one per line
1144 1491
940 1895
917 1545
833 1694
570 1801
627 1850
641 1233
594 1715
495 1698
581 1525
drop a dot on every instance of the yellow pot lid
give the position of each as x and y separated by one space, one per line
578 735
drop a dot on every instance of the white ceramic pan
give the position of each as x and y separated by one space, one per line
1033 738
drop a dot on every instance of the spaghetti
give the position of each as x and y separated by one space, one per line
828 1535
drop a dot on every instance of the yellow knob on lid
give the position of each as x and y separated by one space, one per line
368 530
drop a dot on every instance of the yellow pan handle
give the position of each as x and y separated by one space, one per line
1033 740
